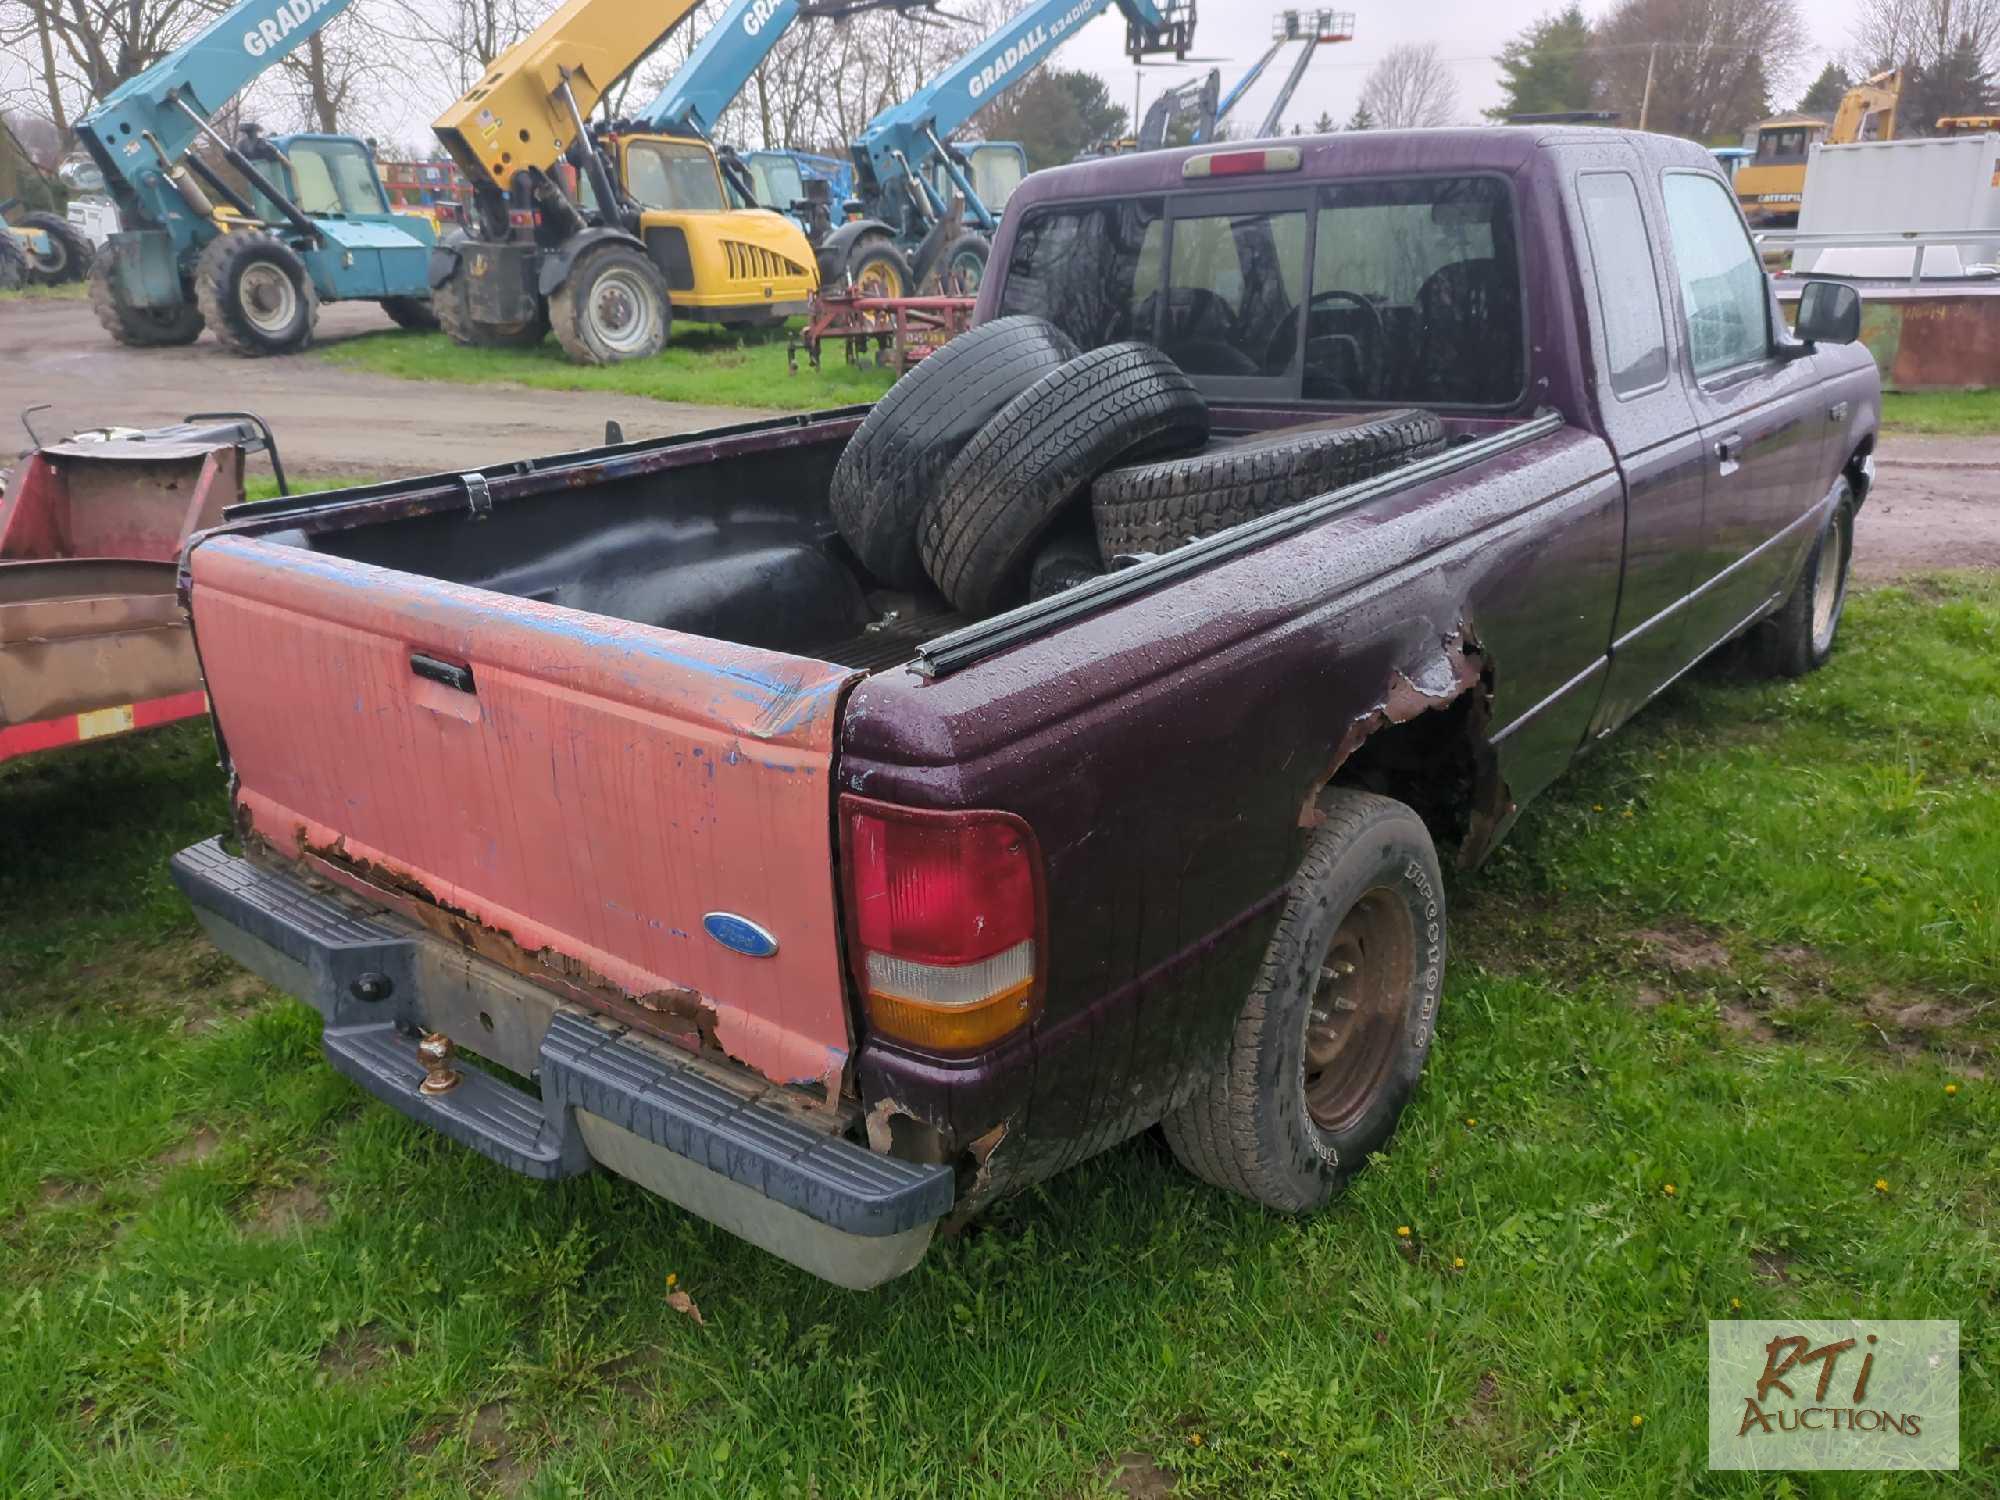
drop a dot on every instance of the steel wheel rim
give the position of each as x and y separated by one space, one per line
969 270
1356 1013
1828 585
621 312
268 298
879 279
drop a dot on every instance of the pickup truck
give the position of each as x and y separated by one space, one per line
831 914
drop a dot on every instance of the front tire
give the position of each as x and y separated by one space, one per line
254 292
139 327
965 264
414 313
612 307
452 303
878 269
70 254
1329 1047
1799 638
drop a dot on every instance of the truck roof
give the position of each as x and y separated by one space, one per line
1362 153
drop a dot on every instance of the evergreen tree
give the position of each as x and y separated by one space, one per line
1957 84
1823 98
1547 68
1324 124
1360 119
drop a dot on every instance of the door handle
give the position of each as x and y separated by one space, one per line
1837 412
1729 452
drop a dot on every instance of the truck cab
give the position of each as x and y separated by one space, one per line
334 181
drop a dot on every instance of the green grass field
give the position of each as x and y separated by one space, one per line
1717 1042
1942 413
69 291
702 365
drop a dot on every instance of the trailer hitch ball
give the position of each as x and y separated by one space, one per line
371 987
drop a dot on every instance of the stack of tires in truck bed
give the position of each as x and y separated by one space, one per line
1008 466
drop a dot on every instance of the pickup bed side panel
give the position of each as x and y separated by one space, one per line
1167 751
599 789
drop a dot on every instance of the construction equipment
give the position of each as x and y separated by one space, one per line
1771 183
1312 27
93 641
37 247
633 225
1198 97
902 230
902 330
250 252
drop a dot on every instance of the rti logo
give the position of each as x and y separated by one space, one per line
1833 1395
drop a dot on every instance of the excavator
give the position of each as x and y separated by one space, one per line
633 225
250 254
1770 182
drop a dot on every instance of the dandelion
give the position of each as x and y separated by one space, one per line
1881 1184
1458 1262
1402 1231
1736 1304
1628 812
1670 1190
1597 807
1471 1121
1951 1088
673 1280
1637 1421
1194 1440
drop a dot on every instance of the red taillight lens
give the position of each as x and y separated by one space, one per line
1242 163
944 912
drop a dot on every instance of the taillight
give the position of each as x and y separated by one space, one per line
1242 163
944 914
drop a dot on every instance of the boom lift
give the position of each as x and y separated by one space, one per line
1309 26
644 235
902 208
305 220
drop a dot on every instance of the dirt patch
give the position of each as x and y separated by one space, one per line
1684 952
358 1353
501 1464
57 1194
1933 508
287 1210
1771 1266
1746 1022
198 1147
1139 1476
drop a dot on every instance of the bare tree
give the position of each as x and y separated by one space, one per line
1714 63
1903 33
77 51
1410 86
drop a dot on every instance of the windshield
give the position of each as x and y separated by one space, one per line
996 172
672 175
1788 144
777 180
334 177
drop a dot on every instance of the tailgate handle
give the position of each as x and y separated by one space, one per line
450 673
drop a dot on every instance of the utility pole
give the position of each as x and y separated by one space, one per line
1646 100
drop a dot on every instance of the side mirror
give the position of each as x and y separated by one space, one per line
1829 313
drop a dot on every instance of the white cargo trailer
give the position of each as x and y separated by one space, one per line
1891 188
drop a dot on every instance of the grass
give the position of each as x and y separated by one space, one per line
702 365
1942 413
1742 950
68 291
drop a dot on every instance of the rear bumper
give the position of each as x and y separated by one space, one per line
721 1143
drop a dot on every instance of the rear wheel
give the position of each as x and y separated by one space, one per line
878 269
452 303
415 313
139 327
612 307
254 292
1330 1045
68 256
1799 638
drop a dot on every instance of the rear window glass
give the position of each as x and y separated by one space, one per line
1089 270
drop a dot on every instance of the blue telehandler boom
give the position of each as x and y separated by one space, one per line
904 209
301 218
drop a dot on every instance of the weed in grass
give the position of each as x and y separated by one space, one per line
704 366
1808 868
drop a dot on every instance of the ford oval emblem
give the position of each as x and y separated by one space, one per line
739 934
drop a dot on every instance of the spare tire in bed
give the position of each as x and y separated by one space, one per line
1015 479
892 465
1156 507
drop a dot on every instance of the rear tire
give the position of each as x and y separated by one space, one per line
70 254
452 303
878 269
254 292
1329 1047
1037 457
892 466
418 314
139 327
611 307
1149 508
1799 638
964 265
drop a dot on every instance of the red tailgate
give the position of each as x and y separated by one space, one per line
599 791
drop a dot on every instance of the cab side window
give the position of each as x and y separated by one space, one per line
1723 288
1628 295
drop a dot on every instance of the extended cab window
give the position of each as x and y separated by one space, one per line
1088 270
1722 282
1416 294
1628 293
1233 299
663 175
